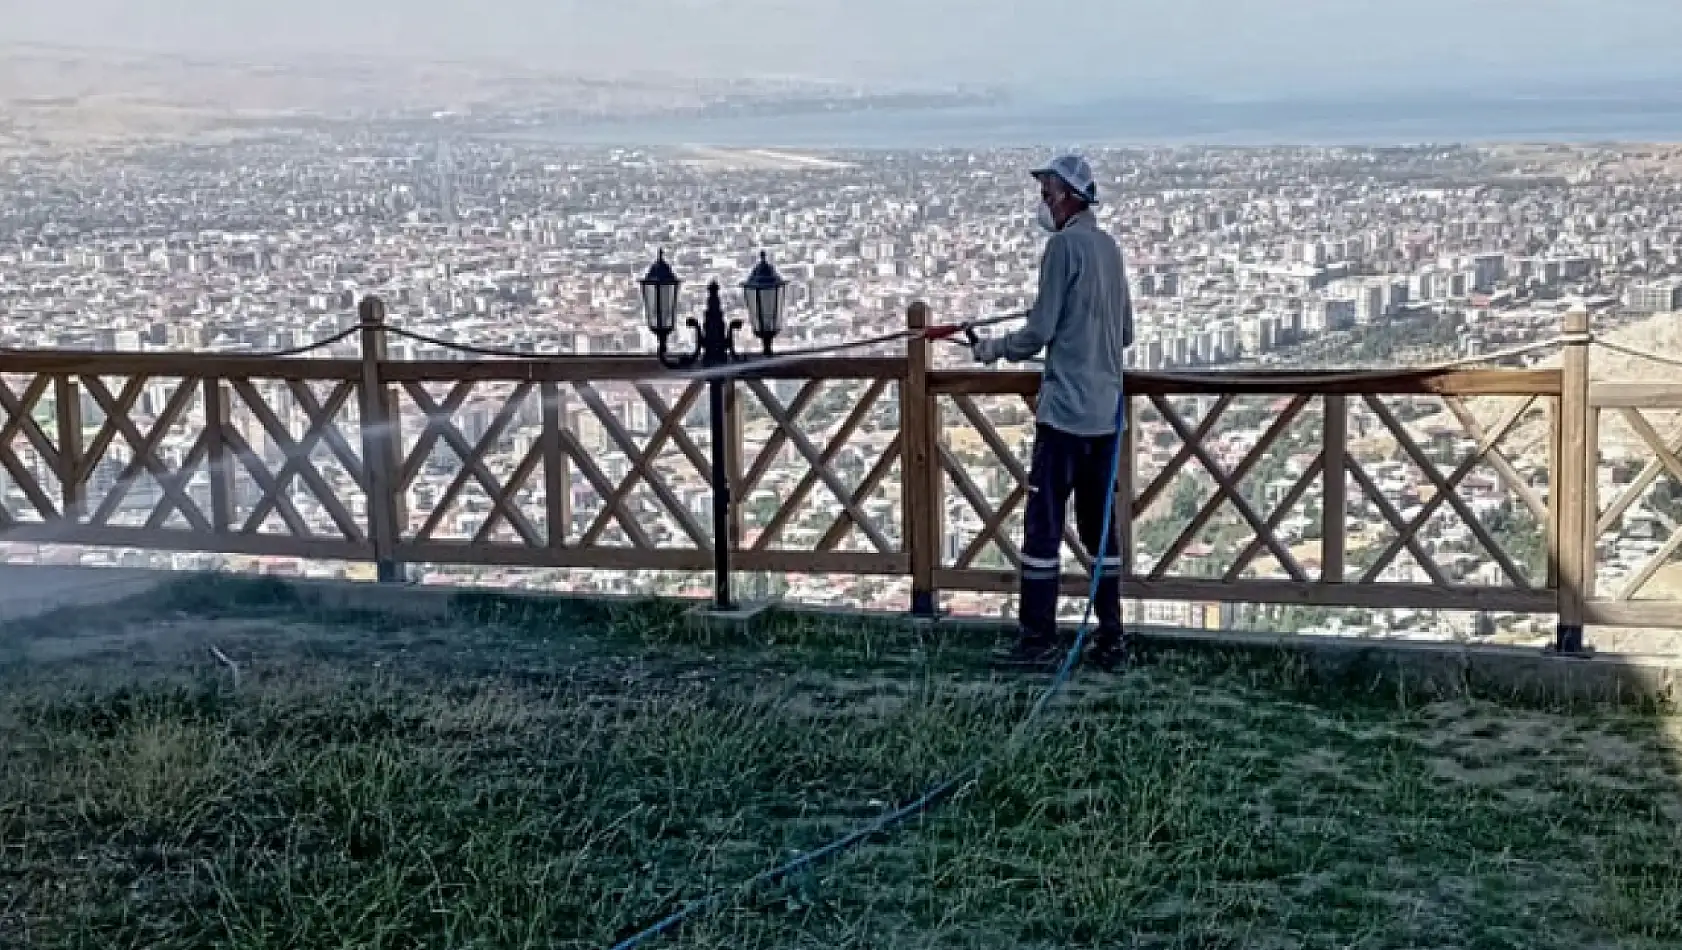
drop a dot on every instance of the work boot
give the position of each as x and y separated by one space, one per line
1029 650
1108 650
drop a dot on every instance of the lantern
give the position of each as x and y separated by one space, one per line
659 297
764 294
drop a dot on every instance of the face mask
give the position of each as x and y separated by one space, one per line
1043 215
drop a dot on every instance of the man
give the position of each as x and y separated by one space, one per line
1083 319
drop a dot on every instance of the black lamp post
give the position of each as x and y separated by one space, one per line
715 345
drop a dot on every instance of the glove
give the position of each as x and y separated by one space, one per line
988 349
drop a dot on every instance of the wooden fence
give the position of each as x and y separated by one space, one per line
1469 490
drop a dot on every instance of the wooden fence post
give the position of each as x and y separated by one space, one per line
72 481
379 444
1126 489
919 430
220 462
1334 451
1570 494
557 476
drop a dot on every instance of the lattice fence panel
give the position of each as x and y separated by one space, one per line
1229 487
293 460
145 463
1449 491
30 489
1638 526
582 464
821 465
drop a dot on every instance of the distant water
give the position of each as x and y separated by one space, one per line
1377 123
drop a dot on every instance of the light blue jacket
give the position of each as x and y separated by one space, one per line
1083 319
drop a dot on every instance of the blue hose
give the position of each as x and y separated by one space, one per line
939 793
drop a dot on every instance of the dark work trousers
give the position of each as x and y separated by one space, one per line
1065 464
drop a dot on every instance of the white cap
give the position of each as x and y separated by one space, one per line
1075 172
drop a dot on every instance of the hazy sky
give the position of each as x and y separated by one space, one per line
1220 47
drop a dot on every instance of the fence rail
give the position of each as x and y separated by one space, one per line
1450 489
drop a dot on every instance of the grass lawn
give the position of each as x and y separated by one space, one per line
558 775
